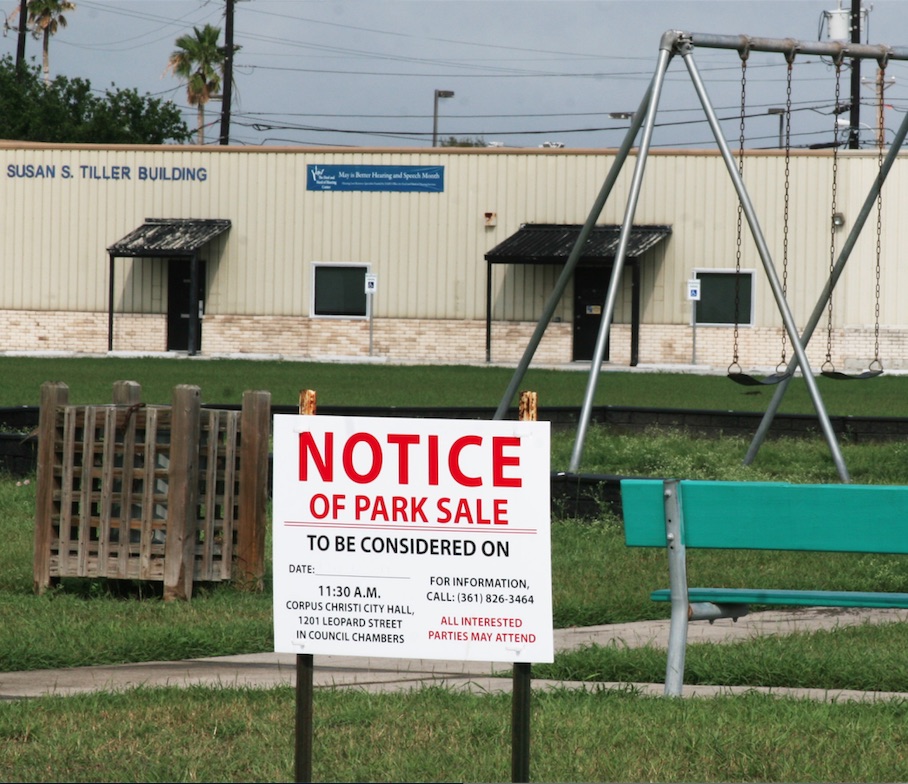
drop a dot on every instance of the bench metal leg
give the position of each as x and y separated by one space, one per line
677 647
677 575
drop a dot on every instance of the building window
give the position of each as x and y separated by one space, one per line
339 290
718 297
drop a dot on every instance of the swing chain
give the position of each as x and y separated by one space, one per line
828 365
877 364
787 200
734 367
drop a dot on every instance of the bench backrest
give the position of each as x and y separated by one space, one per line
771 516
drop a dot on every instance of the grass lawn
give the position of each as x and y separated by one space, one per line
435 735
224 381
596 579
247 735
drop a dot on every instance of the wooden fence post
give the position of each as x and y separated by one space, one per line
255 437
127 393
182 493
53 394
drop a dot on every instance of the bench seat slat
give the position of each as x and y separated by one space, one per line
772 516
772 596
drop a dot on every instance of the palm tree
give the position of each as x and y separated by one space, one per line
200 62
46 17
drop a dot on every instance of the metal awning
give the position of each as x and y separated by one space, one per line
553 243
548 243
173 238
169 237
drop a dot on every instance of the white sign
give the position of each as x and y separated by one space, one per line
371 283
412 538
693 290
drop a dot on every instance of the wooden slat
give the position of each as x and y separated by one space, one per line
146 531
227 499
87 521
127 425
107 473
69 492
207 527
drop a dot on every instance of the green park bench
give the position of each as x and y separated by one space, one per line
682 514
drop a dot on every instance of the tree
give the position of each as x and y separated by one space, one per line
46 17
199 61
70 111
454 141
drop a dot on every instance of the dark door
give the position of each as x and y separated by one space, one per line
180 302
590 289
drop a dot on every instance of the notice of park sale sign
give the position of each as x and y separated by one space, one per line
412 538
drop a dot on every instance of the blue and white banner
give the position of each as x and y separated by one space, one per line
399 179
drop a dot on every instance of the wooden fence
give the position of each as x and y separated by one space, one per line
176 494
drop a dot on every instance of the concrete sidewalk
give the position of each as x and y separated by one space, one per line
377 675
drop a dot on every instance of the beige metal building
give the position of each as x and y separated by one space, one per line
435 255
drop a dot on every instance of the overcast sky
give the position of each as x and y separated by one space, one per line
364 72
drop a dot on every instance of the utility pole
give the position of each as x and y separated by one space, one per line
20 43
855 116
227 92
880 83
880 102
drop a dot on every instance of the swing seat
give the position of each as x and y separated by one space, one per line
837 375
747 380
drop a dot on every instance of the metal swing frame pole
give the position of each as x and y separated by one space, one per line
844 254
665 55
790 327
574 257
833 49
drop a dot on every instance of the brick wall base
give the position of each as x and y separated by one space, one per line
422 340
438 341
42 330
852 350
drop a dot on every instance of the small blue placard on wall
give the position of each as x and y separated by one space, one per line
399 179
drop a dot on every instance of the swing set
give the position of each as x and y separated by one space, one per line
675 43
827 370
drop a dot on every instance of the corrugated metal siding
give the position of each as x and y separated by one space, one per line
428 249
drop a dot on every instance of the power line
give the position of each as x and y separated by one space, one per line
251 122
123 10
494 61
796 107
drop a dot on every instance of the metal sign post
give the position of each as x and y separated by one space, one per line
371 286
693 296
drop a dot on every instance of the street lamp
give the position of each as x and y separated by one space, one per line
843 125
623 116
438 94
781 112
